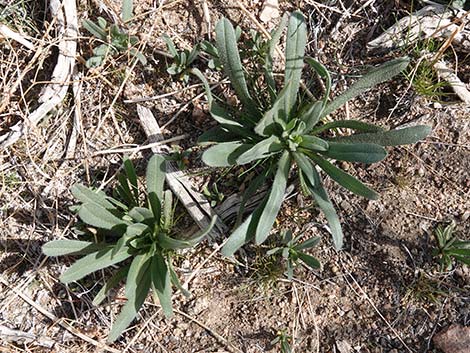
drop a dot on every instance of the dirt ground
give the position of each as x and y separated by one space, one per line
383 293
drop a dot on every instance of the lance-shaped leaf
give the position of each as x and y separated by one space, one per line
167 242
314 143
309 260
161 282
155 175
228 53
348 124
137 288
344 179
96 30
71 247
140 214
170 45
273 115
274 201
312 115
174 278
253 186
127 8
124 191
268 63
405 136
136 230
99 217
132 178
262 149
322 72
375 76
244 232
305 165
355 152
309 243
110 283
323 201
217 134
94 262
85 195
224 154
295 49
167 209
222 116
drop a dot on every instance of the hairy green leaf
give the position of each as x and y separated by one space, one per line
140 214
344 179
167 242
305 165
309 243
71 247
273 115
94 262
132 178
124 191
175 280
312 115
309 260
397 137
375 76
167 209
314 143
217 134
99 217
127 8
137 288
111 283
323 201
322 72
268 65
228 52
161 283
85 195
348 124
170 45
295 49
262 149
274 201
96 30
136 230
155 175
355 152
224 154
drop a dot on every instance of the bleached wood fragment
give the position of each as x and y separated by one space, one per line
270 11
433 21
21 337
454 81
54 93
196 204
9 33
